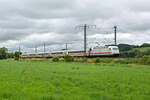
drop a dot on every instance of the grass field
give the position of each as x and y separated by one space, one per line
73 81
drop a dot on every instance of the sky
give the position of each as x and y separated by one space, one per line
31 23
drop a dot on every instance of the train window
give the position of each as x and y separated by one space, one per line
58 53
76 52
115 48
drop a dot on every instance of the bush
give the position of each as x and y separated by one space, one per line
132 53
16 58
107 60
55 59
17 55
85 59
145 60
69 58
77 59
10 55
97 60
61 59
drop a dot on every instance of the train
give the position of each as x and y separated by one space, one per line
105 51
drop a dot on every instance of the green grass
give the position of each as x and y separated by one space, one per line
73 81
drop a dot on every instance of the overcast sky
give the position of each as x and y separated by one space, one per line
30 23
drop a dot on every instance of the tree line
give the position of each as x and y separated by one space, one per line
133 51
4 54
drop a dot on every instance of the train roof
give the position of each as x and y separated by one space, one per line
112 45
75 50
33 53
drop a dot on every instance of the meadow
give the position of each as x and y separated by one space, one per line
20 80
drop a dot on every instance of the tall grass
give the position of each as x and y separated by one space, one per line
72 81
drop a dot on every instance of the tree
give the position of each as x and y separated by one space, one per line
125 47
3 53
145 45
10 55
17 55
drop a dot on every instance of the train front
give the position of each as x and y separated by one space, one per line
115 50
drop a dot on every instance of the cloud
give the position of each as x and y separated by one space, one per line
55 22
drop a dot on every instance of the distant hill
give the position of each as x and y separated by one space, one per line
127 50
145 45
126 47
